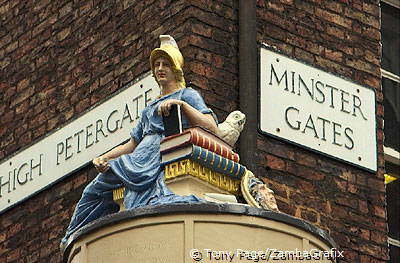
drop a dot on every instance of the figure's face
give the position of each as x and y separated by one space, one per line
163 71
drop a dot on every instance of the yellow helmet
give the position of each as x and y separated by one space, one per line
169 49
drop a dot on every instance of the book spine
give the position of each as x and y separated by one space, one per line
217 163
207 143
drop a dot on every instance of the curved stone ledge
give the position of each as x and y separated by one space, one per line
167 233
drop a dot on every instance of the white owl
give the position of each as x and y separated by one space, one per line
230 129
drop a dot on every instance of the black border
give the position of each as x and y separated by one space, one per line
276 50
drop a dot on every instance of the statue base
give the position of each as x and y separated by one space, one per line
182 185
200 232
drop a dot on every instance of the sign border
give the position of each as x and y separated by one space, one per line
83 166
276 50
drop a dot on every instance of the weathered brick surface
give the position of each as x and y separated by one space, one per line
58 58
341 37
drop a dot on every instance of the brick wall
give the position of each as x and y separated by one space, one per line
341 37
57 58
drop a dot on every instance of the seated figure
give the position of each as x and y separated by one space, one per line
136 164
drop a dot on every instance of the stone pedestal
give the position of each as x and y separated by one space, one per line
177 233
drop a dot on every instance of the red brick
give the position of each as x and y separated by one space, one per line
5 62
306 186
345 201
25 94
335 31
14 254
63 34
25 139
371 8
379 237
8 92
285 207
332 66
14 229
280 190
372 250
379 211
362 17
334 18
5 40
39 131
350 256
309 215
106 78
363 65
341 239
365 234
304 55
33 257
274 162
334 6
341 184
202 29
377 184
363 206
334 55
339 212
7 117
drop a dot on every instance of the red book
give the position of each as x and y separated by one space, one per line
200 137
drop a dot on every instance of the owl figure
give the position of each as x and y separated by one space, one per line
230 129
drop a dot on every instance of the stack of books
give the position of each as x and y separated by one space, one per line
200 153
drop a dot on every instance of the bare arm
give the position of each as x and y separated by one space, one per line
101 162
194 116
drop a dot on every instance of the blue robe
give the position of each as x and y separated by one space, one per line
139 172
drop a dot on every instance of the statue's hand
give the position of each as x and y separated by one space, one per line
165 106
101 164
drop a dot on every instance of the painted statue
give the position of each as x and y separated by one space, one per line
135 165
231 128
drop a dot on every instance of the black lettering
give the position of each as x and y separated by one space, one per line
335 132
68 145
332 94
146 99
36 166
324 121
137 105
357 105
99 129
317 87
22 182
126 115
310 125
60 150
351 146
273 72
344 101
297 127
89 133
5 183
108 122
302 83
14 179
292 82
78 140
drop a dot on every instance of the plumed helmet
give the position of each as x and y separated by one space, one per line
169 49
